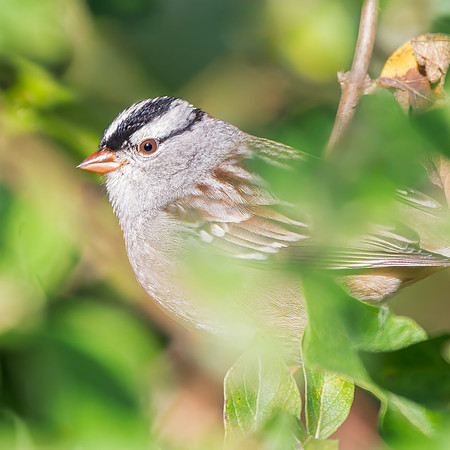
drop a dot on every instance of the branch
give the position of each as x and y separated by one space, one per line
355 81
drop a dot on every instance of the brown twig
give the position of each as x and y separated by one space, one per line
355 81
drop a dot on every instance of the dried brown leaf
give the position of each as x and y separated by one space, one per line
434 55
416 71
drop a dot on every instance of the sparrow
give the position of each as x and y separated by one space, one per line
176 175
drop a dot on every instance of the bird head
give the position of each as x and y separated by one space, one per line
155 150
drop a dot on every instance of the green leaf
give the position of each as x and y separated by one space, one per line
341 335
329 398
418 372
89 382
320 444
391 333
15 432
402 421
283 432
327 307
257 388
353 326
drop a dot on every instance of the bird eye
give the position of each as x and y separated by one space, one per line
148 147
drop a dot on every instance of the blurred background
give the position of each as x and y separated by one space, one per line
86 359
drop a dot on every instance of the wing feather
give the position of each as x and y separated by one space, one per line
233 209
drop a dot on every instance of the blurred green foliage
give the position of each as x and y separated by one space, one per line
85 360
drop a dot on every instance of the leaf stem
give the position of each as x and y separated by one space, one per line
355 80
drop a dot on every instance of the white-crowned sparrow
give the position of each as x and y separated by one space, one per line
173 171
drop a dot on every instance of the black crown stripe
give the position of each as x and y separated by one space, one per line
152 110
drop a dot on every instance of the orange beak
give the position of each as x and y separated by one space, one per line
102 161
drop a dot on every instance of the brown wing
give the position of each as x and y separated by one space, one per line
233 209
